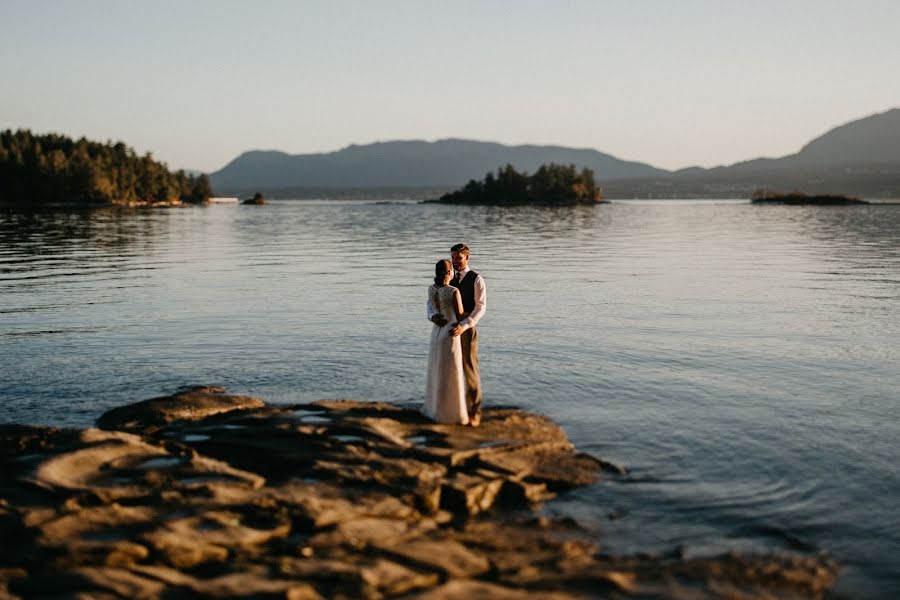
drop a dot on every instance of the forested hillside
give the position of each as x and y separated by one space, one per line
51 168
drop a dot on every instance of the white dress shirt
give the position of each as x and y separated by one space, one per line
480 302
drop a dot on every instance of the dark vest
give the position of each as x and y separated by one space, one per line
466 289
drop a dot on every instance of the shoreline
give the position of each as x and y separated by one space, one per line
205 493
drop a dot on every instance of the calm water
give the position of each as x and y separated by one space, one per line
742 361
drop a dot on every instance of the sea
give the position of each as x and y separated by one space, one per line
741 361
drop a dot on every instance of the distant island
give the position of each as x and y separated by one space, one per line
551 185
258 199
54 169
799 198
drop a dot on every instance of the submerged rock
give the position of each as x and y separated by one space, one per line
212 495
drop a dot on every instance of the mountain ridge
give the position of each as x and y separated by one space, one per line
444 162
868 148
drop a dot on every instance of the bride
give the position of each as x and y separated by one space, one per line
445 388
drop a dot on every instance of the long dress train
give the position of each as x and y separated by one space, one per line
445 387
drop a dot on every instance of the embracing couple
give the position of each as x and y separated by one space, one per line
456 302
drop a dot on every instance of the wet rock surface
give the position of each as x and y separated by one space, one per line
202 494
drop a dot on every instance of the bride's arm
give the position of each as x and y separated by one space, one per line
459 307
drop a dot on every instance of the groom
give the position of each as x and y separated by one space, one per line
474 300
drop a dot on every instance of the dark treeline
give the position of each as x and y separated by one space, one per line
767 196
551 184
51 168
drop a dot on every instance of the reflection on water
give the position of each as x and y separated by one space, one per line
741 360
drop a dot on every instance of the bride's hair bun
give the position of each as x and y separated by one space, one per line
441 269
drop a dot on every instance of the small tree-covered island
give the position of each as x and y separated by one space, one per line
551 185
47 169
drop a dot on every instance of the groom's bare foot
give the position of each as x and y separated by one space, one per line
475 421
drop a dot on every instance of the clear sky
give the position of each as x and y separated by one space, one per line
671 83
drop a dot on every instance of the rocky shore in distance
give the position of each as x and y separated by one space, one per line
801 199
204 494
257 200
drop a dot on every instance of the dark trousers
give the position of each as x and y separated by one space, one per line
469 342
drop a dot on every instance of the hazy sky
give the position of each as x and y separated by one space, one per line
672 83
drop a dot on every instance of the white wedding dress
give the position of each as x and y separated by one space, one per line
445 387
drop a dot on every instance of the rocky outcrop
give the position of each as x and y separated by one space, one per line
258 200
210 495
189 405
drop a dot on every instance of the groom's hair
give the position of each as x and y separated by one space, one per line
462 248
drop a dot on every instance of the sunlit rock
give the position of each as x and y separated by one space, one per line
190 405
203 494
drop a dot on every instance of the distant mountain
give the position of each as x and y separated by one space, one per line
444 163
871 140
858 158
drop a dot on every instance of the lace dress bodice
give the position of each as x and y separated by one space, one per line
443 300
